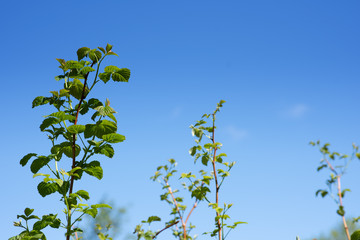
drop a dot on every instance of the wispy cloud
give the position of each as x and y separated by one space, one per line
236 133
297 111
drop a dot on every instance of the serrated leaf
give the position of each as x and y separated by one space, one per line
86 70
64 93
75 129
105 149
94 103
95 171
99 129
125 73
84 194
111 69
92 212
105 77
76 89
26 158
71 64
113 138
49 122
95 55
38 163
82 52
117 77
47 188
40 100
67 149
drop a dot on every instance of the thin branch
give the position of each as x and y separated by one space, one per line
177 207
168 226
341 204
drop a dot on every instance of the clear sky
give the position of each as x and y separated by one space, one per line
289 71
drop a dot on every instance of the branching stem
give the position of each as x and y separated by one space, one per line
338 178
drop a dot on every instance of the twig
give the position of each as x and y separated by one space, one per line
168 226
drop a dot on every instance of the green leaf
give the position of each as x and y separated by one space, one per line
64 93
28 211
75 129
192 151
111 69
205 159
356 235
86 70
153 219
105 149
101 205
99 129
95 171
113 138
26 158
343 192
47 220
108 47
92 212
38 163
95 55
82 52
71 64
321 167
49 122
94 103
47 188
117 77
117 74
84 194
105 77
59 77
341 211
76 89
125 73
102 49
40 101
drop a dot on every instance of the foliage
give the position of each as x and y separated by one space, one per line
334 189
199 187
69 139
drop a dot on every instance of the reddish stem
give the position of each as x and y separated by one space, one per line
74 145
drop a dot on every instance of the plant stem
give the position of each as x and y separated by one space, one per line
74 150
340 196
177 208
215 177
164 229
341 204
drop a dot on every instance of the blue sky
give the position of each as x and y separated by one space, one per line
289 71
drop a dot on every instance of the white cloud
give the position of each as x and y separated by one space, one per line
236 133
297 111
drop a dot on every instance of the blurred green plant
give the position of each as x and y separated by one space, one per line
215 171
338 232
108 224
69 139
